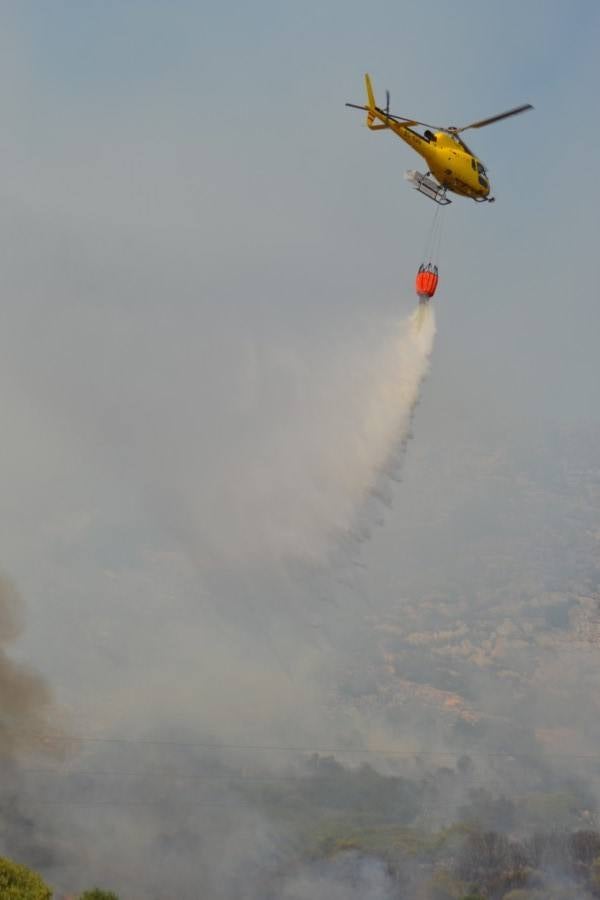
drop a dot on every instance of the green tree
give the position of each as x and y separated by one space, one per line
20 883
97 894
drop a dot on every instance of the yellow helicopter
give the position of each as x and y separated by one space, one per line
449 160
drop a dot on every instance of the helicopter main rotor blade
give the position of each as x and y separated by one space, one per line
402 120
505 115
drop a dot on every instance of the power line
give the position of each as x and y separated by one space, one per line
49 738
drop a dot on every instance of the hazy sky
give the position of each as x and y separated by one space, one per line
207 269
195 233
213 139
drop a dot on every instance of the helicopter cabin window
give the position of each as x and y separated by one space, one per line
480 168
473 164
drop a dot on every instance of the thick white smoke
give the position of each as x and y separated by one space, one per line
252 439
320 429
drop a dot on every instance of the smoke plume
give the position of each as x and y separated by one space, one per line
25 698
282 471
27 717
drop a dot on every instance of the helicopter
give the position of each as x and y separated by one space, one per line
452 164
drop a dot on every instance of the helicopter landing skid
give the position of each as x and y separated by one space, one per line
428 187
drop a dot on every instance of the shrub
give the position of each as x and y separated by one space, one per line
20 883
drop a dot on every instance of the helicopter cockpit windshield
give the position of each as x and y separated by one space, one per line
483 177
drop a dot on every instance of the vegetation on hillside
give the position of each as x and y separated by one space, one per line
17 882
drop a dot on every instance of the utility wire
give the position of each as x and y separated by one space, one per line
49 738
